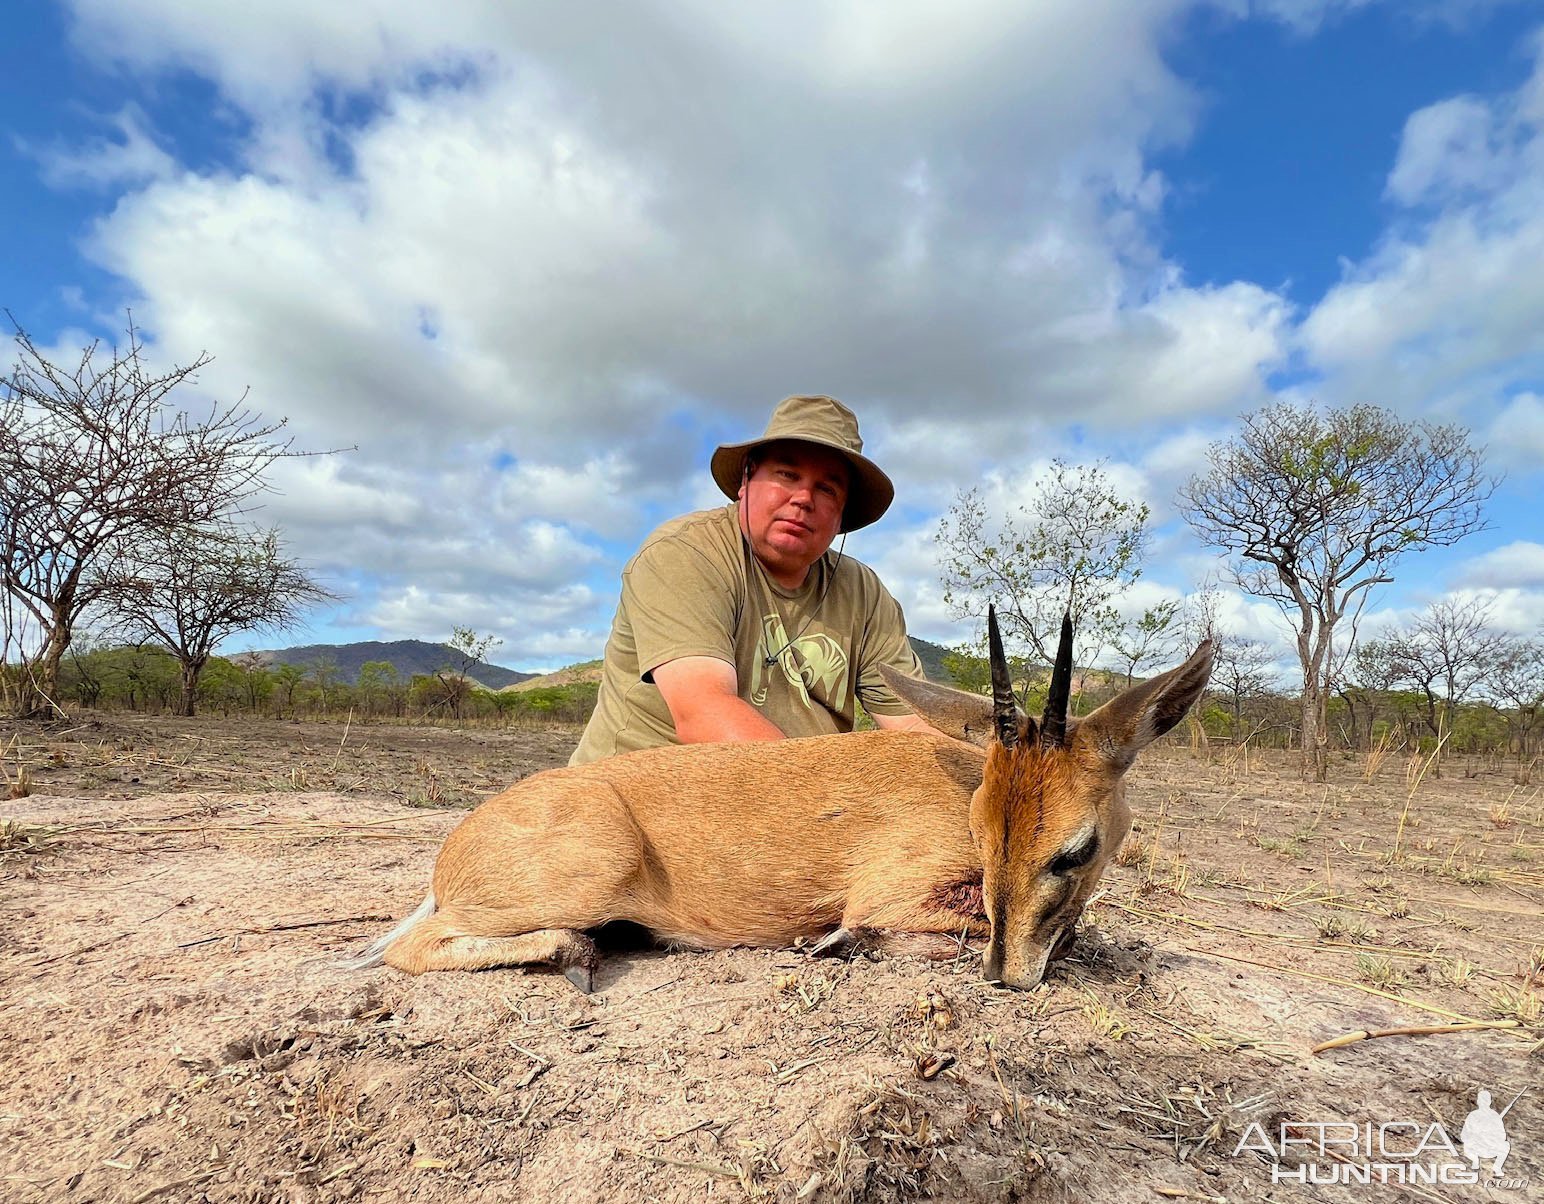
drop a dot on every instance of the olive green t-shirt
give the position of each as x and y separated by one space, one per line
696 589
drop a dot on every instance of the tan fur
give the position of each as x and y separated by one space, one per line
714 845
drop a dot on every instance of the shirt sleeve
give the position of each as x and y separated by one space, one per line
885 643
681 603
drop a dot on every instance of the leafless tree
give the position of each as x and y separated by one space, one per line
188 589
91 457
1517 684
1314 510
468 650
1446 653
1241 674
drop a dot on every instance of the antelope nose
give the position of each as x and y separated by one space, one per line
992 966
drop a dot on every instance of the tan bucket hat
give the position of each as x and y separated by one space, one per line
828 423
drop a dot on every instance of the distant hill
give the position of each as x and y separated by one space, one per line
932 658
412 657
571 675
409 657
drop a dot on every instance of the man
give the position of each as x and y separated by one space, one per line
738 623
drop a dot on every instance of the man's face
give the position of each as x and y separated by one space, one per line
791 507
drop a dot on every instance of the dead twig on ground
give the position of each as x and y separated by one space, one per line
347 723
707 1168
150 1193
1413 1030
291 927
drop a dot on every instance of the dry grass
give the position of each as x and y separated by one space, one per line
1377 756
18 785
1517 1003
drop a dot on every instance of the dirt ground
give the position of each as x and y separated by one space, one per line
173 1028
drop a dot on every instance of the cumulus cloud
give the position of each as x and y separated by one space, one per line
1517 565
1443 317
1516 437
531 275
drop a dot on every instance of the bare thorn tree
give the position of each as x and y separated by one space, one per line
469 651
1315 509
1448 651
1518 686
93 456
187 590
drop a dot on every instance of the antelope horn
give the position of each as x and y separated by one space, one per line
1005 714
1053 726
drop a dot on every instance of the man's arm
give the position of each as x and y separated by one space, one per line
904 723
701 692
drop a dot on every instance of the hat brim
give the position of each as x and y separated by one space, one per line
868 496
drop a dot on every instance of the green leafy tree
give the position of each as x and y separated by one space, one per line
1315 509
377 686
1074 546
287 680
324 674
221 685
1148 641
256 680
468 650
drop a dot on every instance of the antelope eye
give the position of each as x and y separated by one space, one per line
1075 858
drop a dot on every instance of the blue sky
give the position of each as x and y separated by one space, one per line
534 262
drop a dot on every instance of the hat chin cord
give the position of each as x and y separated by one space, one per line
841 549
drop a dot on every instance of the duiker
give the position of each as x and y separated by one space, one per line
1000 828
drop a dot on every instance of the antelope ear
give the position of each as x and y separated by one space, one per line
966 717
1129 722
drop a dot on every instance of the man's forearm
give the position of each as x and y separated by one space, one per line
725 719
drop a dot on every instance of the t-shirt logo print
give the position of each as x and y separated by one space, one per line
811 664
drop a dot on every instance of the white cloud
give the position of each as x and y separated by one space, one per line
1517 565
1444 316
1516 437
1306 16
130 157
535 273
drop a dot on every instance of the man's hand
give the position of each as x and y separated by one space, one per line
701 692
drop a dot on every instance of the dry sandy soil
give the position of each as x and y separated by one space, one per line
172 1026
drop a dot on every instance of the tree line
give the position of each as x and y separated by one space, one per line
148 679
125 515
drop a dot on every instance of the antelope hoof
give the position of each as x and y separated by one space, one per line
1064 943
582 976
840 943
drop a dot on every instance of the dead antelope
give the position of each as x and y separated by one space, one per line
998 829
